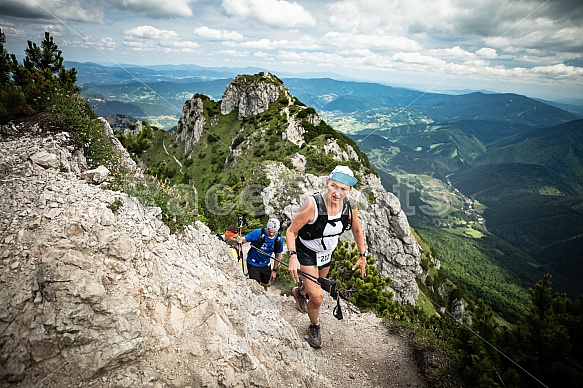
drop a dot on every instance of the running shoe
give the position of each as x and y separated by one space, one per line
314 336
301 300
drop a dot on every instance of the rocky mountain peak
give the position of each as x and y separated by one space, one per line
251 94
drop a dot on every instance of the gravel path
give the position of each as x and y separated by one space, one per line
359 350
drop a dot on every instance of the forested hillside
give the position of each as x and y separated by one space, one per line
523 179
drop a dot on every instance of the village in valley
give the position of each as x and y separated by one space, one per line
472 211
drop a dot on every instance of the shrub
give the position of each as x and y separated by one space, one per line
137 144
368 293
75 114
13 104
178 203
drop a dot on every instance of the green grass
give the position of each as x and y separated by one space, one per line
425 305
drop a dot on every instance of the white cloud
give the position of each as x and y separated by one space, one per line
100 43
530 23
206 32
360 52
346 15
487 52
155 9
235 53
266 44
56 30
460 55
379 42
275 13
149 32
559 70
12 31
150 38
418 58
453 52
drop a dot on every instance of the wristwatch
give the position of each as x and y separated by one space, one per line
289 253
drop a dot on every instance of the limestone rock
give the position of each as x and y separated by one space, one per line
92 297
126 159
251 95
191 124
97 175
45 159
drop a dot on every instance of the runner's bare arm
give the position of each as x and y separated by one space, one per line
359 239
302 217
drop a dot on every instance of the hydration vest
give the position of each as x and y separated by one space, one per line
259 243
316 230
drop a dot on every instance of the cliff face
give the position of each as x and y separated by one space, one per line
191 124
94 289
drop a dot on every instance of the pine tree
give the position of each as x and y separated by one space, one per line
12 100
550 337
6 64
42 76
369 293
47 57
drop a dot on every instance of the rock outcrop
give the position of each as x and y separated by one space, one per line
191 123
251 95
125 123
95 290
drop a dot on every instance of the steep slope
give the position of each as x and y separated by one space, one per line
96 291
536 211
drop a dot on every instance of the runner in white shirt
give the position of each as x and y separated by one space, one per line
313 236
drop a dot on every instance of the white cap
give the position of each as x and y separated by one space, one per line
273 224
343 174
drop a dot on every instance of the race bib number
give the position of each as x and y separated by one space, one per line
323 258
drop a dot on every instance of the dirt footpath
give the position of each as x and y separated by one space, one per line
359 350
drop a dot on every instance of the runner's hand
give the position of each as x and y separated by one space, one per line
361 263
294 266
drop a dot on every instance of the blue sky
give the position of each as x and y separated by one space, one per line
531 47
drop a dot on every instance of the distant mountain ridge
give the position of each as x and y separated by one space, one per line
161 91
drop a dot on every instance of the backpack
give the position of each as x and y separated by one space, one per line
259 243
316 230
